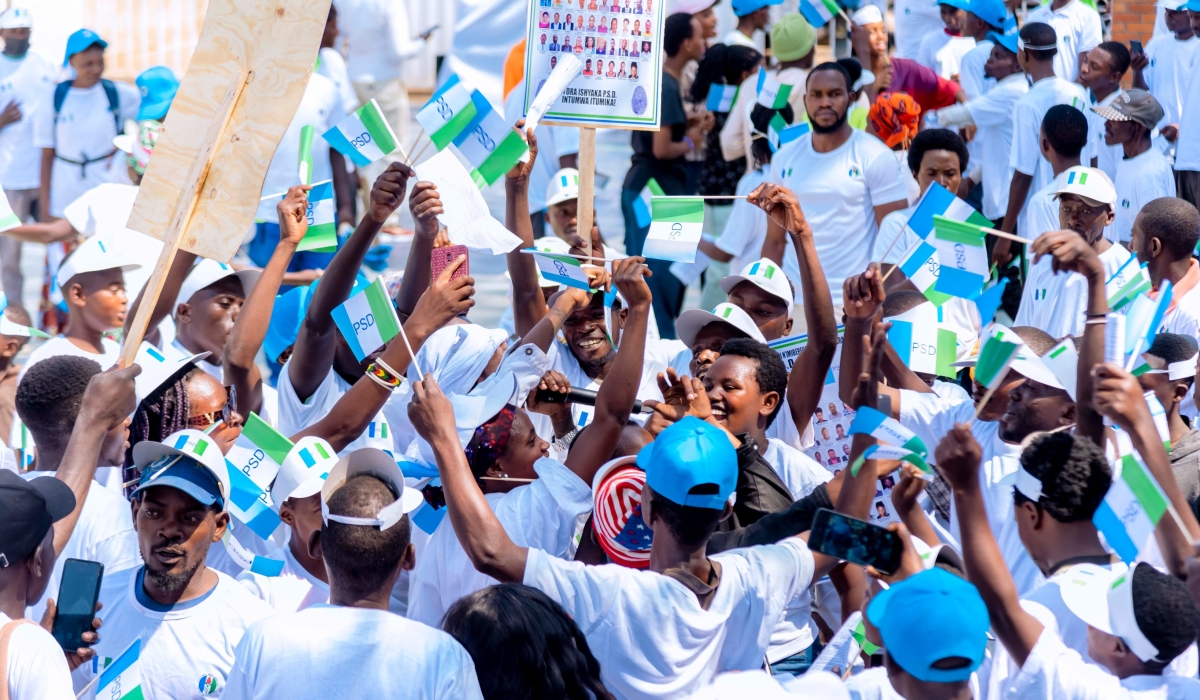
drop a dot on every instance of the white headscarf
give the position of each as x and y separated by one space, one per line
457 355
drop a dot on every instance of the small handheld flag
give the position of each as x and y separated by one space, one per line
122 679
988 301
492 149
322 218
962 255
775 130
819 12
259 451
721 97
889 452
1142 321
447 113
995 357
939 201
791 133
922 344
364 137
1133 505
675 228
306 160
368 319
920 265
1130 280
641 205
563 269
772 94
251 503
870 421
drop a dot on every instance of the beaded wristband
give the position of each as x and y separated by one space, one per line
382 377
395 375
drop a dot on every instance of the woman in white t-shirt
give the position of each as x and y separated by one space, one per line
76 132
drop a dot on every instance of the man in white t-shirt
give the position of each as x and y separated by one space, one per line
1032 172
50 399
942 52
93 286
189 618
915 19
1078 29
667 631
206 306
1057 302
76 132
1100 74
1165 233
26 79
1143 173
36 665
983 18
1167 64
364 542
846 181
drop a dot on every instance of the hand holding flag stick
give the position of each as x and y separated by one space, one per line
776 199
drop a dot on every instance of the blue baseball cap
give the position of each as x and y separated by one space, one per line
82 40
286 317
741 8
158 86
936 615
991 11
189 461
1193 6
1012 33
687 455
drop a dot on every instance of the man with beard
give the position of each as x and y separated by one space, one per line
188 617
845 180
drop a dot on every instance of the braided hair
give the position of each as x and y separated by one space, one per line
164 412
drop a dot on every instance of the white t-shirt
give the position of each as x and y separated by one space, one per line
37 668
1055 672
540 515
1057 303
992 112
1106 156
943 54
736 38
333 66
1184 318
931 417
872 684
84 130
746 229
293 589
650 634
1187 148
59 345
1027 124
28 81
915 19
839 191
1139 181
103 210
1079 30
351 654
797 470
563 361
377 33
296 415
104 533
185 650
970 70
1171 65
321 107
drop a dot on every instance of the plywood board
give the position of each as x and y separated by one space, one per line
273 43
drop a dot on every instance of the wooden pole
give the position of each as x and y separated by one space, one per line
192 187
587 184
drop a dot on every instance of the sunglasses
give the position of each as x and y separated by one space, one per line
205 420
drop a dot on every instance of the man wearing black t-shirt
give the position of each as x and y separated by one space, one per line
660 155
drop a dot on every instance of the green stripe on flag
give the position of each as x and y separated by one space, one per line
655 188
377 127
994 358
860 636
687 210
306 159
506 155
266 438
382 309
979 219
947 353
1144 487
445 135
830 5
957 231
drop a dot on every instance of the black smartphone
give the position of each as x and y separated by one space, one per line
1135 46
78 591
856 541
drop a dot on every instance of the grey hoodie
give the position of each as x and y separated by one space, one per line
1185 463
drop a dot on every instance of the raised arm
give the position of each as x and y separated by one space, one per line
180 267
107 404
354 411
803 394
958 458
863 295
425 204
478 530
775 244
313 353
529 306
57 230
614 400
238 366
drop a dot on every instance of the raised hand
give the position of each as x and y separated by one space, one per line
1070 252
388 191
426 206
83 654
682 396
446 298
908 489
521 170
958 456
568 300
11 114
867 391
431 413
110 397
630 276
293 214
863 294
781 205
910 561
1118 396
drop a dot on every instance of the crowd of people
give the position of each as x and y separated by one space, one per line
609 495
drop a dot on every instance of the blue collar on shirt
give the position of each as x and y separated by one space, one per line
145 601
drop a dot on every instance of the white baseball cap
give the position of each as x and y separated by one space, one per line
691 7
157 368
16 18
1175 5
379 464
1104 599
1027 363
1089 183
867 14
100 252
187 443
765 275
304 470
207 272
690 322
563 187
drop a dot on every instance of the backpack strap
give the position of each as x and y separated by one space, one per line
114 102
6 634
60 95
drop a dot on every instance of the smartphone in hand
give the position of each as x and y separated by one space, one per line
78 591
1135 47
442 257
856 541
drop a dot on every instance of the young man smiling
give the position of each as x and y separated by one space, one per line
188 617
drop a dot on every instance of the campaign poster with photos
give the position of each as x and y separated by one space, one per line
831 427
619 43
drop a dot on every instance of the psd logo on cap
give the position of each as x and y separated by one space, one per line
208 684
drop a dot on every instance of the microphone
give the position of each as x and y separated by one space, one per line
586 397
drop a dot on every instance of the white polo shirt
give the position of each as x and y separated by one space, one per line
1057 303
1139 181
992 112
1027 125
1078 28
942 53
1171 67
915 19
839 191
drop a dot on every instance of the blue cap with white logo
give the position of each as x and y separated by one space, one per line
82 40
189 461
158 86
691 463
1011 34
935 615
741 8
